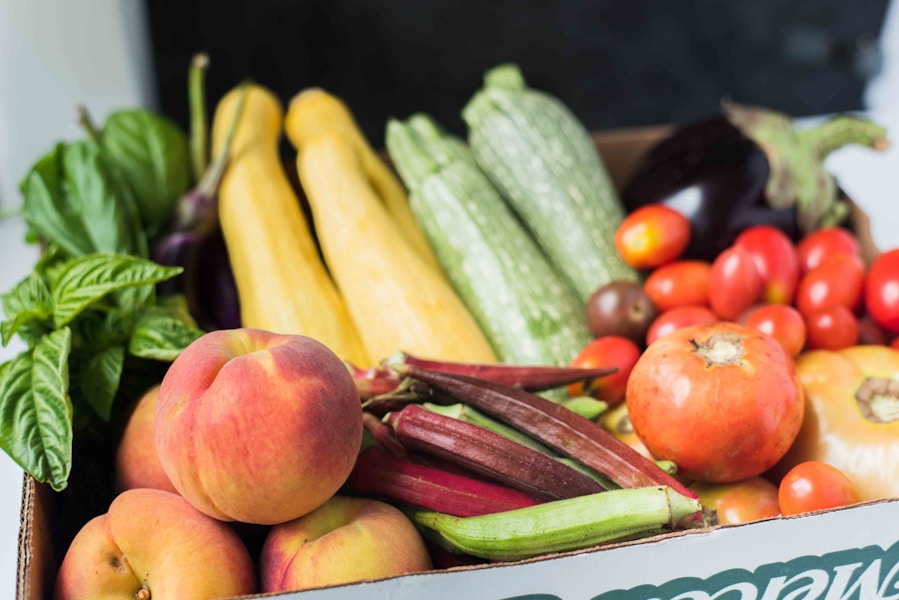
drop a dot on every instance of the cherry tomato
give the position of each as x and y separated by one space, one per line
839 279
677 317
814 485
652 235
620 308
831 328
679 283
741 501
775 258
815 247
781 321
870 332
609 351
722 401
882 290
734 283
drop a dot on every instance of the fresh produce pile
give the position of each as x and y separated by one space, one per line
463 351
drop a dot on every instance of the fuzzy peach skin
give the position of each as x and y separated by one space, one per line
154 544
137 464
345 540
257 427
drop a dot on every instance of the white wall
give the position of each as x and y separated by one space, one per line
55 55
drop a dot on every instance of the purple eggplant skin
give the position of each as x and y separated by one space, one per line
211 291
715 176
207 281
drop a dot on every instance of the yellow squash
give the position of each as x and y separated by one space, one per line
282 283
325 115
399 299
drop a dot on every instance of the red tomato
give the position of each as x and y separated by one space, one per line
775 258
608 351
815 485
831 328
734 283
679 283
781 321
721 400
677 317
815 247
652 235
839 279
882 290
742 501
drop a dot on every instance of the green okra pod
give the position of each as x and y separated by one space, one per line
562 525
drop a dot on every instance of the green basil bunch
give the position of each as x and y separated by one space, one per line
89 312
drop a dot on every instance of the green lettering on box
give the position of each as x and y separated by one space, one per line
869 573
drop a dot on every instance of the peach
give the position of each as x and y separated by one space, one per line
154 544
137 464
257 427
345 540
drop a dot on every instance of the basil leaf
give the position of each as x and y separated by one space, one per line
36 412
161 335
28 307
46 209
152 152
100 379
86 280
130 212
71 200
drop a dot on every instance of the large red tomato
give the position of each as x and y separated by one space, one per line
721 400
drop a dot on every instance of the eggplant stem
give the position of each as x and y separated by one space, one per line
213 174
199 125
843 130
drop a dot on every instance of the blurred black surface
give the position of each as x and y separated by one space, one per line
616 63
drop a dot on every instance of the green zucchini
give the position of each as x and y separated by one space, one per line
528 312
543 161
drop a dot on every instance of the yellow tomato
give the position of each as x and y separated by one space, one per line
851 416
741 501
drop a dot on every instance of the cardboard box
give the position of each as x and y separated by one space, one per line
847 553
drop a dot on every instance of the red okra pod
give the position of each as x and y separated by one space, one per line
380 473
554 425
490 454
534 378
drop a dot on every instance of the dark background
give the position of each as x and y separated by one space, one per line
615 63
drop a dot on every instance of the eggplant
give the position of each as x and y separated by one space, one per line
194 240
748 166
